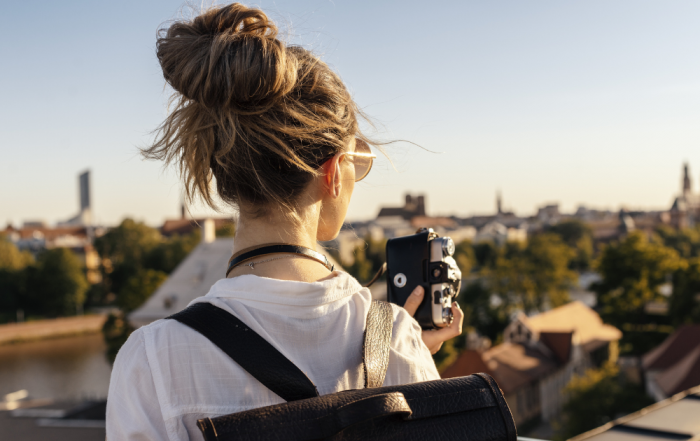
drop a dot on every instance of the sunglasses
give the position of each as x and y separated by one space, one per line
362 159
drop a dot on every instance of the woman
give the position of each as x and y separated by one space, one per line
277 132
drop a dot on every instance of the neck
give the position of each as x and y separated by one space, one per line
255 232
252 232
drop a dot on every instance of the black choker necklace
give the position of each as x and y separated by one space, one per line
278 248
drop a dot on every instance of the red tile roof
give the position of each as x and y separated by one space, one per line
469 362
673 349
559 343
512 365
681 376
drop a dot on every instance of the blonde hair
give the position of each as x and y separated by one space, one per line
255 114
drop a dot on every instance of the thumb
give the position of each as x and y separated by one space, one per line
414 300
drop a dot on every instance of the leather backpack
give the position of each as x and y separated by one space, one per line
466 408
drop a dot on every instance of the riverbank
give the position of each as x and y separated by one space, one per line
51 328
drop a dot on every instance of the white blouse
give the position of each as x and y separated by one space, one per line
167 376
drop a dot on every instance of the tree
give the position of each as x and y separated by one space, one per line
597 397
533 277
226 230
167 255
57 285
686 241
632 272
13 279
115 331
139 288
488 318
11 258
368 259
579 237
123 251
465 257
485 254
684 304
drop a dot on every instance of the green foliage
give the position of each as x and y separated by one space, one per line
448 353
13 278
579 236
597 397
115 331
368 259
227 230
465 257
684 304
131 250
485 254
167 255
632 272
637 340
532 277
686 241
139 288
129 243
13 287
57 285
488 319
12 259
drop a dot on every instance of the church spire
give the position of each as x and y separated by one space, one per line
686 180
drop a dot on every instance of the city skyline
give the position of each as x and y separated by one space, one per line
589 104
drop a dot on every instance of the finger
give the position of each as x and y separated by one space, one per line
434 339
414 300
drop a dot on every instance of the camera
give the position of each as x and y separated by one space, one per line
424 259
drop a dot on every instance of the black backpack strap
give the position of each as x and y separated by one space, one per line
252 352
377 343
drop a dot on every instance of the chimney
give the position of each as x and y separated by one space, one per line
208 231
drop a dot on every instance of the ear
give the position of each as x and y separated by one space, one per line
333 176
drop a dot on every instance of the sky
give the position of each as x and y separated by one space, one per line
593 103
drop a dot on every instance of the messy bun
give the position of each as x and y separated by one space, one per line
251 112
228 58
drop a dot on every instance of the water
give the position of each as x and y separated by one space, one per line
68 368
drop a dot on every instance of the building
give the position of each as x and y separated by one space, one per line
499 234
414 206
673 366
539 356
685 211
674 419
84 216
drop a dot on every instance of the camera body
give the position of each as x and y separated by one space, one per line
424 259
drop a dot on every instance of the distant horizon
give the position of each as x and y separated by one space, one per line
399 203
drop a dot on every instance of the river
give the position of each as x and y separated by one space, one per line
67 368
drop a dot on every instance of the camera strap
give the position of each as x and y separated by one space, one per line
382 270
249 254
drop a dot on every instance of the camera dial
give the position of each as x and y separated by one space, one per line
448 246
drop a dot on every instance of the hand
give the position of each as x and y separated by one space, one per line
434 339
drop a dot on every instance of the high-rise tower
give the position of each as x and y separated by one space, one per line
85 208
